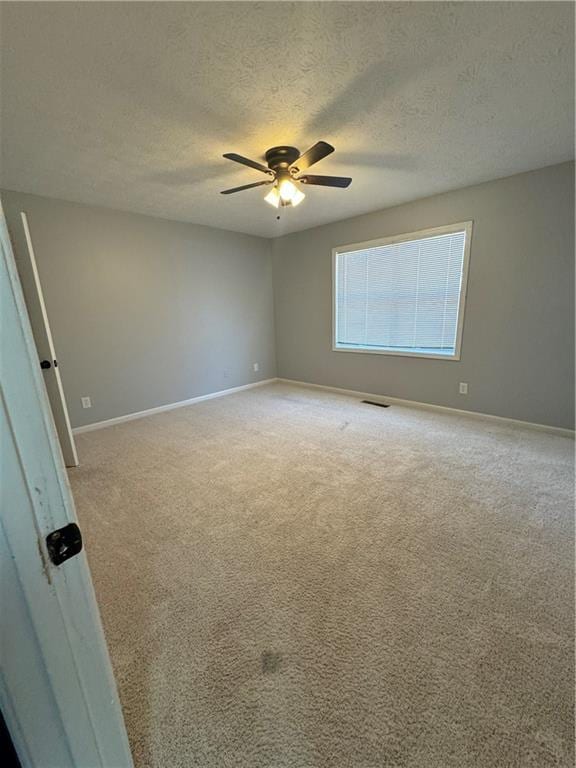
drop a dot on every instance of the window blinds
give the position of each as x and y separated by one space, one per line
401 297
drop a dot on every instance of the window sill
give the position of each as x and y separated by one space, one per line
398 353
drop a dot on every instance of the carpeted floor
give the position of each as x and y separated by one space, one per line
291 579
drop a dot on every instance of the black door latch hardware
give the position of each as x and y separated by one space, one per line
64 543
45 364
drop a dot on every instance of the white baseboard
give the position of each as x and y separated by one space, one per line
432 407
168 407
338 390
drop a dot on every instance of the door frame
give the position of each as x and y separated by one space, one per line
58 601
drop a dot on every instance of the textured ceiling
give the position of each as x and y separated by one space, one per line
131 105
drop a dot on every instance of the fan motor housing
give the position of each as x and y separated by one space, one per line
281 157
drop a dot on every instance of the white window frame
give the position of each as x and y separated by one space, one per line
448 229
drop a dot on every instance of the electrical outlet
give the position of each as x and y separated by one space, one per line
86 402
256 367
463 388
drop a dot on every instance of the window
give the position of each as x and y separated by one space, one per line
403 295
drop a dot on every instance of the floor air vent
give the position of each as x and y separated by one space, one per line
373 402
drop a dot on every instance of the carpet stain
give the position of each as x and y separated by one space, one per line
271 662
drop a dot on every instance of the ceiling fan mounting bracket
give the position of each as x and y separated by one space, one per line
281 157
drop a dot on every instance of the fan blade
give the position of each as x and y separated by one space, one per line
246 161
319 151
246 186
326 181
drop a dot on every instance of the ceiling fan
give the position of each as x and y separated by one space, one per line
285 166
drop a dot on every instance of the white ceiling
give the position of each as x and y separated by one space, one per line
131 105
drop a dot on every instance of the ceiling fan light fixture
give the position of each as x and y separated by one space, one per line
297 197
276 199
287 190
273 197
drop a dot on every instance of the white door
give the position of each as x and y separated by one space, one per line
48 359
57 691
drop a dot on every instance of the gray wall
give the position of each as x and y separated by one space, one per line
518 341
146 311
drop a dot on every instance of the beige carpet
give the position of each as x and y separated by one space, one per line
291 579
